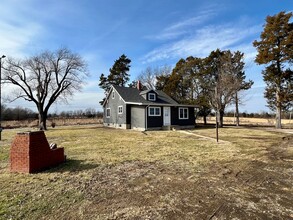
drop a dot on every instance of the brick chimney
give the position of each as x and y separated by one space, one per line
138 85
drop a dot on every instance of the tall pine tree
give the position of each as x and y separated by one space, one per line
275 50
118 75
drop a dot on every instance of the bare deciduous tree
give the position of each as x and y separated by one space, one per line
148 77
225 79
46 78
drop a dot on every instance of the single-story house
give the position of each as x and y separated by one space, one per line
134 108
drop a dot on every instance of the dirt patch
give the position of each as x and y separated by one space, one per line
283 151
152 190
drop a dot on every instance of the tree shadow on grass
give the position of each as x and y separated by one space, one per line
200 126
72 166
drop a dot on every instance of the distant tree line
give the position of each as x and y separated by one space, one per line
262 114
19 113
87 113
245 114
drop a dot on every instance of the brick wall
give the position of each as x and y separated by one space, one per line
30 152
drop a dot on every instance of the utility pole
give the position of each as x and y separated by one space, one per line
3 56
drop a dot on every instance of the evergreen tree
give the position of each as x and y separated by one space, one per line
275 49
199 92
162 81
179 83
133 84
119 72
104 83
118 75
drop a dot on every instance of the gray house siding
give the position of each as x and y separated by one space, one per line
138 117
116 119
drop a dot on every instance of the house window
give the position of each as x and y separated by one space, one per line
154 111
108 113
183 113
120 109
113 95
152 96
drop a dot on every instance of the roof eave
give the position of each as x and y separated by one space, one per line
160 104
105 101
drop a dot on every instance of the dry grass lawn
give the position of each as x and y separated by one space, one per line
124 174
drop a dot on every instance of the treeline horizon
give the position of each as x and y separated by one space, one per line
20 113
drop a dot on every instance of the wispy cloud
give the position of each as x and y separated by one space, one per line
14 40
17 30
26 26
204 40
199 19
185 26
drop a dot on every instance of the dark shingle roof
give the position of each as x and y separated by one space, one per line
134 95
147 91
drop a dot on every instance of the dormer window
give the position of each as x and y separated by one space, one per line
152 97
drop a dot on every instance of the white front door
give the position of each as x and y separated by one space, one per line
167 116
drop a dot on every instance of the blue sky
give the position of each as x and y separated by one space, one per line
151 33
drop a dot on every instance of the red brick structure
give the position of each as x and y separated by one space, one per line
30 152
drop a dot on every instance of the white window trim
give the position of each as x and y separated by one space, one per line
149 97
155 111
113 94
183 113
108 116
120 106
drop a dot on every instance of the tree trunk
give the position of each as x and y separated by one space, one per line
42 121
279 110
221 121
204 119
237 109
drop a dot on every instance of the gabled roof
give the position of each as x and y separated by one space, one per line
133 95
